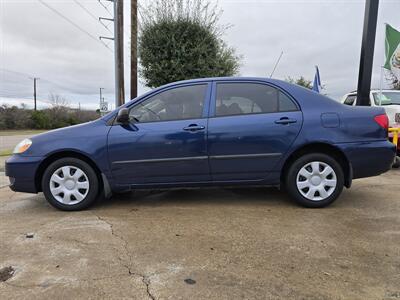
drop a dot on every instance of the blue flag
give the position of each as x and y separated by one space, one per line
317 81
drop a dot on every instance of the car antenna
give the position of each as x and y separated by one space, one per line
276 64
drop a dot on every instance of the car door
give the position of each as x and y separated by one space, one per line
251 127
166 140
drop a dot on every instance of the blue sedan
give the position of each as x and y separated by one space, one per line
209 132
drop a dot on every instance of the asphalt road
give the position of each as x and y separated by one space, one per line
205 244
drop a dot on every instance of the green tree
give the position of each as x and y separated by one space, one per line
181 40
300 81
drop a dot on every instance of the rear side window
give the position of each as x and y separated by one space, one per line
285 103
250 98
350 100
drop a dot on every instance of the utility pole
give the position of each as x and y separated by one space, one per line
118 50
134 28
34 92
367 52
101 97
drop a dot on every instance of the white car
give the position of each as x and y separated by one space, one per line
388 99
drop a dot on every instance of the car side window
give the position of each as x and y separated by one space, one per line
250 98
285 103
350 100
179 103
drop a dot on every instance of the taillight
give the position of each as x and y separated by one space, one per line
382 121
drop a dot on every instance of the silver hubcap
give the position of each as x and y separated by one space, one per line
69 185
316 181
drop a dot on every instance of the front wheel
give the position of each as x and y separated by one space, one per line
70 184
315 180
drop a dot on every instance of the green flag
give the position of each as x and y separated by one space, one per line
392 50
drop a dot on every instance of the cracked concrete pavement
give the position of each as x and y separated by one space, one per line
233 244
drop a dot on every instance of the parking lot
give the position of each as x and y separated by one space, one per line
198 244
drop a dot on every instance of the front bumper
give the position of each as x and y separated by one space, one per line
369 158
21 171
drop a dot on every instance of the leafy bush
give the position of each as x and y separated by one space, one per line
40 120
181 40
12 117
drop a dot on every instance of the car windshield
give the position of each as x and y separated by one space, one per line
387 98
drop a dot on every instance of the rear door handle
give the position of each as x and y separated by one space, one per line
285 121
194 127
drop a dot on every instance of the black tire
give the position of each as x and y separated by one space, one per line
93 189
396 163
298 164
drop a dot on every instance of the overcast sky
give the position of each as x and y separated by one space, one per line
37 42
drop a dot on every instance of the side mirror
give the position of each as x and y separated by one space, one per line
123 116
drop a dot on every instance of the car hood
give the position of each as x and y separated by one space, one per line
72 137
64 132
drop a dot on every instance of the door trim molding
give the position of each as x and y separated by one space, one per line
175 159
157 160
258 155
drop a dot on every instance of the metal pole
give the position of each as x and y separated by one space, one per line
133 49
119 52
34 92
367 52
381 87
101 97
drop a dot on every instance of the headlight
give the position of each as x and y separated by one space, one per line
22 146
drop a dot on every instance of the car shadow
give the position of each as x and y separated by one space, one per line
204 196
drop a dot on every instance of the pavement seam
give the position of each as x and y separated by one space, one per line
145 279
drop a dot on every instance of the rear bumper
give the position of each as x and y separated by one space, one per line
21 171
369 158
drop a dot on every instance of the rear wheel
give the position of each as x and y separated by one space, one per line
315 180
70 184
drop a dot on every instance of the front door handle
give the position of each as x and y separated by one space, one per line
194 127
285 121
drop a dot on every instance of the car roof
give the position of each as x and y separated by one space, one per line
233 78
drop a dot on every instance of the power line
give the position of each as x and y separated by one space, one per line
90 14
85 9
29 76
105 7
12 95
11 91
73 23
15 72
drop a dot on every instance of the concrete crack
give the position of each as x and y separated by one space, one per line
127 265
146 281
